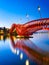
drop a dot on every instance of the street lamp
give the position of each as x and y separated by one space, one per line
39 11
27 16
38 8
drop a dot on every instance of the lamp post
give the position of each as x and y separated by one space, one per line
27 16
39 11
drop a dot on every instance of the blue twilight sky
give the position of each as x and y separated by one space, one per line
14 11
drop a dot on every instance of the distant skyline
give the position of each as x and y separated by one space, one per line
15 11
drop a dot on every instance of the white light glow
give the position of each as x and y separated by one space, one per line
38 8
21 56
17 52
27 62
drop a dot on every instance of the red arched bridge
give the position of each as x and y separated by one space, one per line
30 27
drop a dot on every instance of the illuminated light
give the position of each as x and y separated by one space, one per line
21 56
17 52
1 37
2 31
20 36
13 49
38 8
18 39
27 62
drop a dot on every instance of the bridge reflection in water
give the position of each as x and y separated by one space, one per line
37 55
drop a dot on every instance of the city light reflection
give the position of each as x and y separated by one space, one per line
27 62
21 56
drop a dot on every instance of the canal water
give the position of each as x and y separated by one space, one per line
29 51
